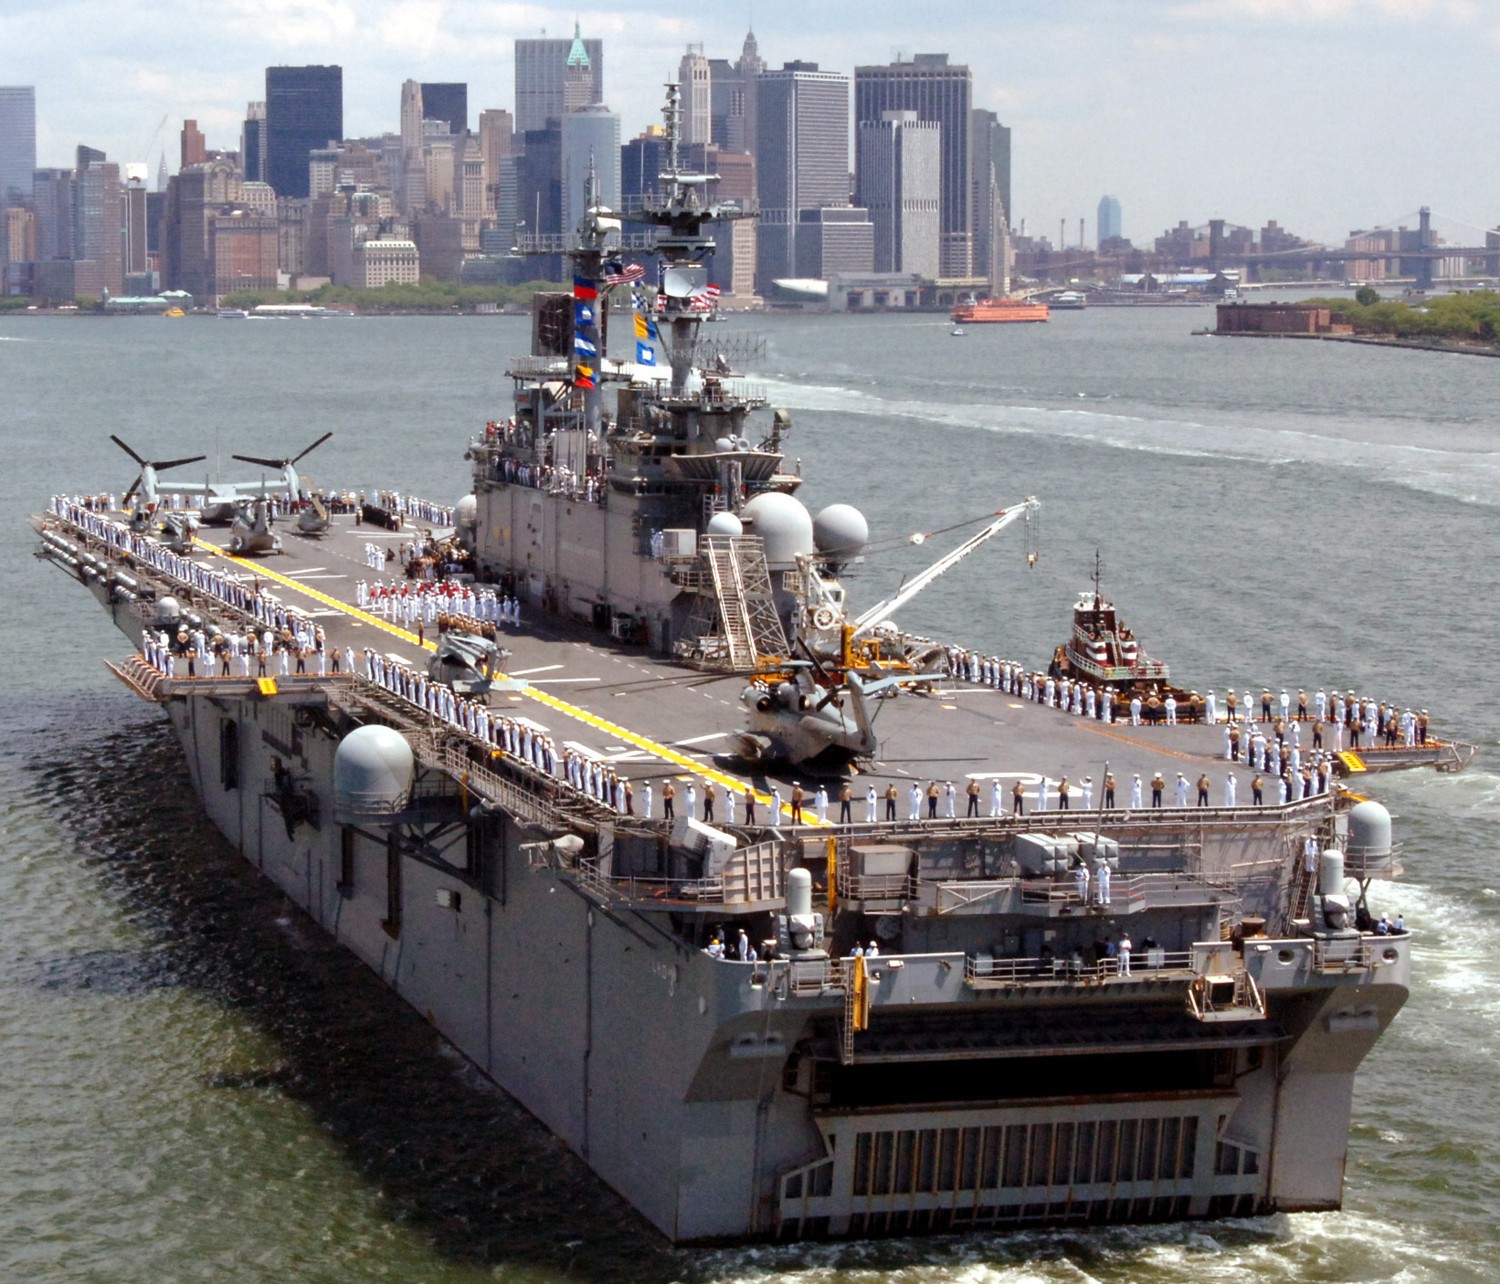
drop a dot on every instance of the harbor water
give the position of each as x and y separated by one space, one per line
198 1085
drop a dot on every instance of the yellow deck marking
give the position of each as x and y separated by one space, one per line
1099 730
541 697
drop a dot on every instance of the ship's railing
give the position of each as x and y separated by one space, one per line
719 393
1135 891
1151 964
1350 953
751 875
877 887
524 804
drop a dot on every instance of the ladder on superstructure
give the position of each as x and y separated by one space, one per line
750 627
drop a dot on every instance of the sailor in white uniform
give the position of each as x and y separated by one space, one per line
1135 792
870 805
1229 788
1182 790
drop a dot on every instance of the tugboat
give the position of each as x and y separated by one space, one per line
1102 649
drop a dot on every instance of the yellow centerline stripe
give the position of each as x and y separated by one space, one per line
541 697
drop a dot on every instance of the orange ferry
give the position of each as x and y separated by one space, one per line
987 310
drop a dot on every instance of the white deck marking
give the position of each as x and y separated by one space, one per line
698 740
546 668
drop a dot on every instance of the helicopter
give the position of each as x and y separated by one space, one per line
250 532
312 516
820 707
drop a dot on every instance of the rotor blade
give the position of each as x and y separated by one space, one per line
125 499
160 464
314 446
127 450
264 463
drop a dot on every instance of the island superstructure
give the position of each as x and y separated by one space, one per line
781 1026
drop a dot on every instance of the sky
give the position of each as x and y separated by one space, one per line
1326 115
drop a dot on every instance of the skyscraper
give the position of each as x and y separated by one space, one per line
936 91
694 79
541 73
412 184
898 167
802 124
194 145
1109 219
497 132
989 154
749 67
253 143
447 100
590 136
99 219
304 109
17 143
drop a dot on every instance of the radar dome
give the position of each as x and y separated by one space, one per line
783 523
167 610
373 769
466 522
724 523
1369 832
841 532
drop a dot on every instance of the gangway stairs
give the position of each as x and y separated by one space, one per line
737 630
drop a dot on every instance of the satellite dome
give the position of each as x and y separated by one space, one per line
841 532
1369 831
783 523
373 769
724 523
466 513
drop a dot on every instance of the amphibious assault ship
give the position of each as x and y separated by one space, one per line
948 1004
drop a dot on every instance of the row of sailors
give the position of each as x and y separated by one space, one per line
234 651
519 741
1360 714
1014 679
298 639
585 486
409 601
424 510
202 578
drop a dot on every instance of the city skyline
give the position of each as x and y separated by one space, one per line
1180 108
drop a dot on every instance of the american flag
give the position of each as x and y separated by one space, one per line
704 300
623 275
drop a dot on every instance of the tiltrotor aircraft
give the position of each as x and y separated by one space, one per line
147 492
312 516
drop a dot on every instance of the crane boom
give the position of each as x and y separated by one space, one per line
882 611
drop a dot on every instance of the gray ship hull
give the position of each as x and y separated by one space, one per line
984 1083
